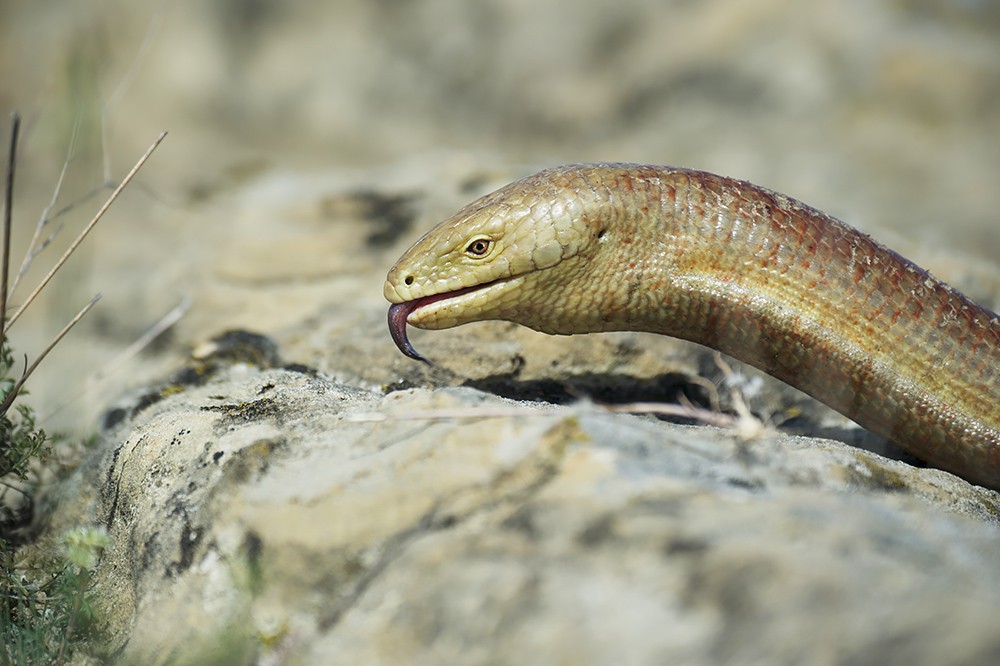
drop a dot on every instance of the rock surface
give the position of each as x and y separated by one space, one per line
296 491
275 516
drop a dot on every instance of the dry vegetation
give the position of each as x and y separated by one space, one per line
45 615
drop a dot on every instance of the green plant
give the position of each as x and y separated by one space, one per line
45 609
46 599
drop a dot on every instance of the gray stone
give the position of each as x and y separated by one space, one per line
278 516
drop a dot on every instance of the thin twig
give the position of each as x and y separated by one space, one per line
152 31
12 394
15 129
76 204
33 247
708 417
86 230
718 419
123 357
143 340
451 413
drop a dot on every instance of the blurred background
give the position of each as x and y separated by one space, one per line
885 114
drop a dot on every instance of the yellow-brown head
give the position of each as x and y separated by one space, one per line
479 264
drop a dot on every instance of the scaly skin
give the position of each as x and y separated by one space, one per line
735 267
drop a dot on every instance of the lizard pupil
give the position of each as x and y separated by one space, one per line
478 247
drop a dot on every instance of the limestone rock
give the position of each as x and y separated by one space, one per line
272 515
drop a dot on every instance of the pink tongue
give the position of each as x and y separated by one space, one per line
398 312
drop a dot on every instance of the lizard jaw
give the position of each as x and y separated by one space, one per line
400 312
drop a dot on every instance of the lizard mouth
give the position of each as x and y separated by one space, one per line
399 312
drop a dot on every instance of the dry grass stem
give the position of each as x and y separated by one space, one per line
153 29
683 411
710 388
93 222
749 425
35 247
743 423
12 394
15 129
143 340
451 414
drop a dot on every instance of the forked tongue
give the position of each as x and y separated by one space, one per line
398 312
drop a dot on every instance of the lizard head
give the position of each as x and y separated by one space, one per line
480 263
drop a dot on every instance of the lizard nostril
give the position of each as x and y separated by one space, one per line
408 280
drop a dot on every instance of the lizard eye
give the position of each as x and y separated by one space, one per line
479 247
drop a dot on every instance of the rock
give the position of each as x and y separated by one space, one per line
264 514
